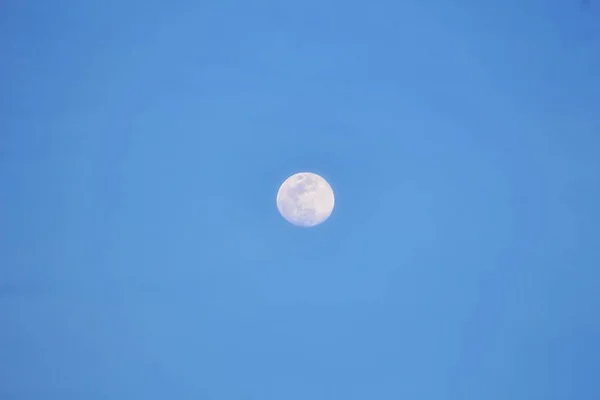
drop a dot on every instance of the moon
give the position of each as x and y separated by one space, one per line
305 199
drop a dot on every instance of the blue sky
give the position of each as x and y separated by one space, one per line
141 148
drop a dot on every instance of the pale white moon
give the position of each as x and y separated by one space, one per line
305 199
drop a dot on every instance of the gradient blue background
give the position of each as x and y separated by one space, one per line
142 144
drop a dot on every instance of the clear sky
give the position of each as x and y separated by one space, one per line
142 144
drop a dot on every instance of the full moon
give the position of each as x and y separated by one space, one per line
305 199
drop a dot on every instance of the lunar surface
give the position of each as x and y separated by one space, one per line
305 199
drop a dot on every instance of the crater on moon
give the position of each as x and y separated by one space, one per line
305 199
